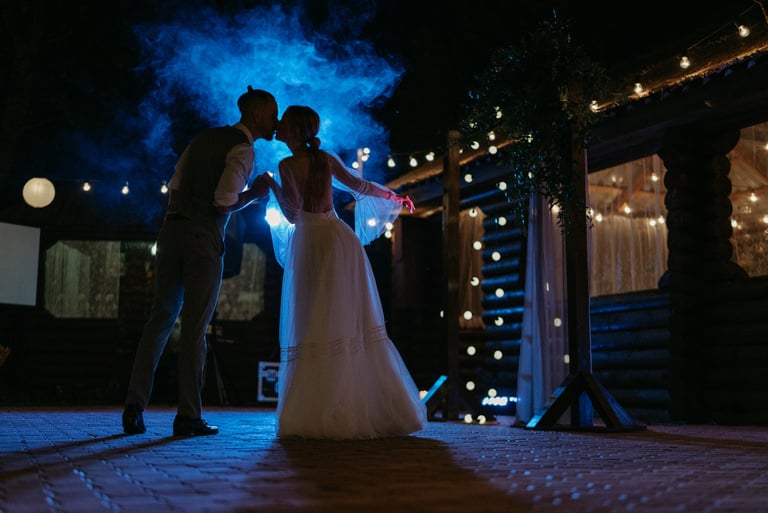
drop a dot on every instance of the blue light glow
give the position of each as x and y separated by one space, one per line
209 60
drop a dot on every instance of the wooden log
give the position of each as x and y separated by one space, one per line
634 378
638 339
630 319
656 358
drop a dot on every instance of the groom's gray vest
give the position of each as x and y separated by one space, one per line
204 165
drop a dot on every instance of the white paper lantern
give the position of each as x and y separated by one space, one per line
38 192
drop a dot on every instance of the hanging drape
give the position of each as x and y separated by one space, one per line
542 367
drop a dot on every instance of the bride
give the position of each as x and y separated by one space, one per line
340 375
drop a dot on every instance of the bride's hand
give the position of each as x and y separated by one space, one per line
406 202
401 200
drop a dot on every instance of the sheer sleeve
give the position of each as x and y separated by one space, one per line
374 209
279 227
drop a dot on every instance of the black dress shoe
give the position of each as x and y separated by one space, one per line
185 426
133 420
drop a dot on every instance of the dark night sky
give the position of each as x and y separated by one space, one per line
77 65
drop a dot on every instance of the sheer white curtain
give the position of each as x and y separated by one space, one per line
629 234
542 366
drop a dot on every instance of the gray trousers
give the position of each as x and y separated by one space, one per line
187 281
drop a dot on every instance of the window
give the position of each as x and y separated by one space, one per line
629 236
82 280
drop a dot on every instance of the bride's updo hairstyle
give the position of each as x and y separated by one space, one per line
304 124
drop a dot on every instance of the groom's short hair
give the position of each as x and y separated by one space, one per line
254 99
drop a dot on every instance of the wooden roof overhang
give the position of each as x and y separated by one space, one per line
731 96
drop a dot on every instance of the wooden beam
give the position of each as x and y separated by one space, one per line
451 270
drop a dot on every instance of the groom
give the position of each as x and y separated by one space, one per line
206 188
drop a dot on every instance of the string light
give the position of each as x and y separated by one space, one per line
125 190
743 30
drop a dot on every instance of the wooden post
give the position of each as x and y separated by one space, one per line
451 270
580 391
577 290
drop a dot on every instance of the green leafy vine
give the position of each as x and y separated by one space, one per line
535 97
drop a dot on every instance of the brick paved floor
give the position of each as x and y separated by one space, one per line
77 460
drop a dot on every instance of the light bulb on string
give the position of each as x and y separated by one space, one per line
743 30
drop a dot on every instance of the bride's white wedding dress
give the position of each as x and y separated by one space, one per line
340 375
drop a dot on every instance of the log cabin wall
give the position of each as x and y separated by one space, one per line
630 351
718 344
502 315
630 332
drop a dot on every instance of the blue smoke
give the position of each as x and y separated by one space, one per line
205 61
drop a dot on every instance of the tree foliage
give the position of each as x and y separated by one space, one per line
536 96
